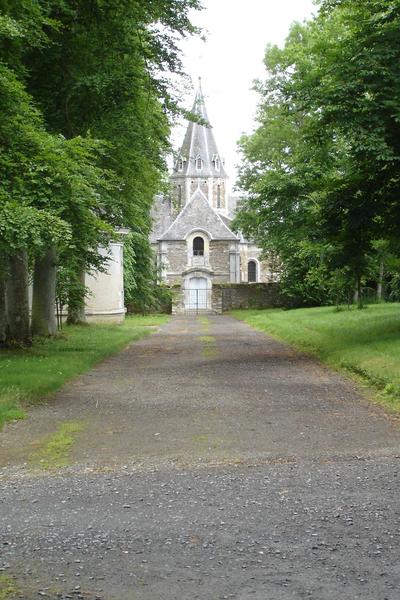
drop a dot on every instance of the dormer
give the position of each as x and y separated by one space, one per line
216 162
198 163
180 164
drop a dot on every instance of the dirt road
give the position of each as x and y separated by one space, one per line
210 462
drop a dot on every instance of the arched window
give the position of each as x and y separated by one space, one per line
180 165
252 271
179 195
199 163
218 196
198 246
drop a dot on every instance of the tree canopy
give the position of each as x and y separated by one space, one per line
321 170
87 103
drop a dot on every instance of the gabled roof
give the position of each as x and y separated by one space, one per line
161 216
199 142
198 214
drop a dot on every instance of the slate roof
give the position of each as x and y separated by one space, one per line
198 214
228 223
199 141
161 215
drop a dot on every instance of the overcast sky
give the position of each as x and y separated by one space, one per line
231 58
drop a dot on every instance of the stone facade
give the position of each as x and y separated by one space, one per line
195 248
172 260
220 260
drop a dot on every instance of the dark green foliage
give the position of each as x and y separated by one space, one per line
143 291
86 112
321 170
103 74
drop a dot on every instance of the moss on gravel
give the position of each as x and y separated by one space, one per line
205 324
209 349
55 450
8 588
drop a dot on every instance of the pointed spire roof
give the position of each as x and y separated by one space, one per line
199 105
199 144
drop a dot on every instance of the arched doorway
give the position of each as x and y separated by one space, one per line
196 296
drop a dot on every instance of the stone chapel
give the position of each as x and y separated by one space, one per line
192 239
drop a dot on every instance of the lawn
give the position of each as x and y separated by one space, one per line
364 343
28 376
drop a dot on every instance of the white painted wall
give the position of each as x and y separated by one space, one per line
106 299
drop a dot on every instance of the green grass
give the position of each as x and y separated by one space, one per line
364 343
54 452
10 405
27 376
7 587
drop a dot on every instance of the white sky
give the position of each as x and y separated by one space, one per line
231 58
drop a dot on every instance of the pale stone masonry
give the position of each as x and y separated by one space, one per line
193 242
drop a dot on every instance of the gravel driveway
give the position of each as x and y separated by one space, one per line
214 462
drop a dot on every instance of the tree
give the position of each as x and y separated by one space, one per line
143 290
44 180
87 109
105 74
322 167
24 221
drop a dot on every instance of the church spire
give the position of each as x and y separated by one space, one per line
199 156
199 106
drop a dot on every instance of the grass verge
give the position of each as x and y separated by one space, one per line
27 376
363 343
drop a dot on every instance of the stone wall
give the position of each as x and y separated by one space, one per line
242 295
230 296
219 259
178 302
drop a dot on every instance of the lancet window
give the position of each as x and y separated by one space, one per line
252 271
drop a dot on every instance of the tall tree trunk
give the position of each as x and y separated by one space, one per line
44 294
18 299
3 309
379 291
76 302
